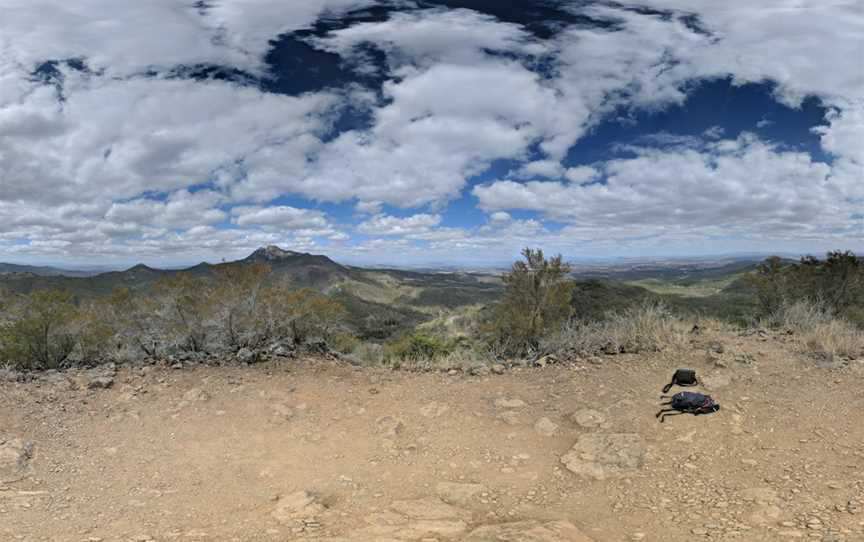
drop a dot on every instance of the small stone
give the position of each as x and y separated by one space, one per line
546 427
301 505
588 418
196 394
388 426
100 383
246 355
458 493
502 402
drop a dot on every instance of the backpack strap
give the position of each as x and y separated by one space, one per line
668 386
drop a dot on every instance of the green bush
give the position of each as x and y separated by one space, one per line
537 299
38 332
419 347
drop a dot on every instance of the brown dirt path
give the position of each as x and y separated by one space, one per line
222 453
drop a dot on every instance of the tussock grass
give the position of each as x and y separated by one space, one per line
817 330
650 327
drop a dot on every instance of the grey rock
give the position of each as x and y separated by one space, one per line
503 402
458 493
588 418
388 426
15 456
301 505
528 531
600 455
246 355
546 427
100 382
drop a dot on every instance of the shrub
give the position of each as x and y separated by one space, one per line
237 292
94 331
136 322
537 299
186 307
38 333
298 315
837 283
418 347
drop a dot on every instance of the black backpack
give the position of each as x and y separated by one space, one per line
682 377
688 402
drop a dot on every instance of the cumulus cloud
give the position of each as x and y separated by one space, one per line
106 148
392 225
681 188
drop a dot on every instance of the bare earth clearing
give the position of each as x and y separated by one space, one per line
319 450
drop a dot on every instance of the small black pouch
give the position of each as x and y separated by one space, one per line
682 377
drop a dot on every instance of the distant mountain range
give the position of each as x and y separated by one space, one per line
374 298
42 271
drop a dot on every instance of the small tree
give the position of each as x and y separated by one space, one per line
38 335
770 281
94 328
537 299
186 309
238 293
135 320
298 314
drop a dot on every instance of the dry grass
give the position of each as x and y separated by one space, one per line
818 331
647 328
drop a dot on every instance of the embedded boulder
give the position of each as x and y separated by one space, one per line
600 455
528 531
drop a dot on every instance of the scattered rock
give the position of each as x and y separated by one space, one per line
433 410
100 382
195 395
427 508
388 426
528 531
599 455
545 360
15 456
716 347
498 368
479 369
281 411
282 352
246 355
301 505
458 493
503 402
588 418
546 427
715 381
429 517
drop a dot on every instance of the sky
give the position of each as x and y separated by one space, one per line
413 131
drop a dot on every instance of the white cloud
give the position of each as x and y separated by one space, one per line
118 158
581 174
551 169
728 187
180 210
392 225
427 37
126 38
440 127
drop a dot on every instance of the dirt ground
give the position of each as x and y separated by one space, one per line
319 450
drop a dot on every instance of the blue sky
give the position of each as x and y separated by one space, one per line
411 132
